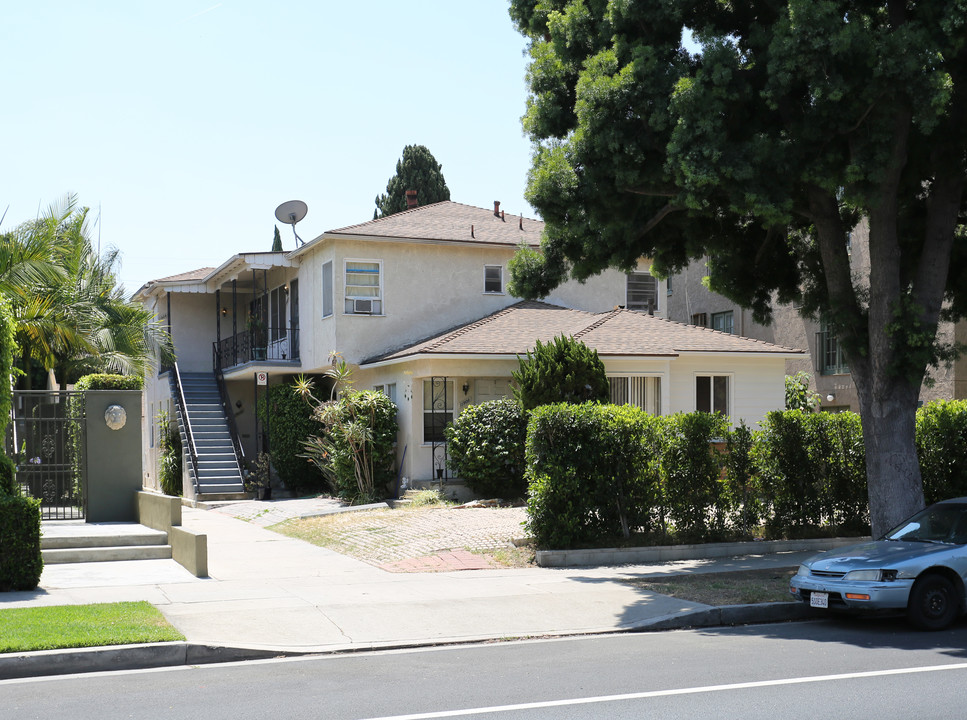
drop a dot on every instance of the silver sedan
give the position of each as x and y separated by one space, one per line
919 567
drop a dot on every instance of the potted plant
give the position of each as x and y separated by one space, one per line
259 479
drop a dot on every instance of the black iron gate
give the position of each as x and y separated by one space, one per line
46 440
435 422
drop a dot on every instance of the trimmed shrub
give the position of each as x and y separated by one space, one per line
942 449
21 562
812 468
741 478
563 370
290 424
104 381
591 472
691 474
357 452
486 448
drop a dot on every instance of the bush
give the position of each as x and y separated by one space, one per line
812 468
564 370
942 449
290 424
691 474
171 458
591 472
486 448
21 562
104 381
357 452
741 478
8 469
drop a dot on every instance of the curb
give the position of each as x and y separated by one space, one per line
665 553
148 656
124 657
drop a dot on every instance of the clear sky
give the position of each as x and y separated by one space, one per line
184 123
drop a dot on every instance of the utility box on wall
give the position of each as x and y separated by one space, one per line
113 454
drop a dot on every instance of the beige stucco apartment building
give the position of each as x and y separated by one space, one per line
417 304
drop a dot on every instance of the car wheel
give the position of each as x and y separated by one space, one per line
933 603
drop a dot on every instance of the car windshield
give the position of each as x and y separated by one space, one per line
946 523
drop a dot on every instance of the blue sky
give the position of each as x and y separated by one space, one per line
186 123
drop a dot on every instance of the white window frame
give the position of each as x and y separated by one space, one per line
388 389
725 313
350 298
639 307
500 279
652 398
729 391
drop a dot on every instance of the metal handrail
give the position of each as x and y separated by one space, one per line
257 346
229 415
183 408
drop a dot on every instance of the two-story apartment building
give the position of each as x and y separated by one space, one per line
417 304
687 300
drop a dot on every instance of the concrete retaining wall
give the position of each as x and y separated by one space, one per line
163 512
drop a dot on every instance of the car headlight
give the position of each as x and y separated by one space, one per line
803 571
867 575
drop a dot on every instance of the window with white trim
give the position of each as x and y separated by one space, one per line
712 394
364 287
493 279
437 409
388 389
638 390
723 322
641 292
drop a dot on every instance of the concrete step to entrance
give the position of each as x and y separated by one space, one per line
57 556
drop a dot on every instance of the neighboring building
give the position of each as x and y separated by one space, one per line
688 301
417 303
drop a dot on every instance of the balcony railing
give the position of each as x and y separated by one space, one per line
260 345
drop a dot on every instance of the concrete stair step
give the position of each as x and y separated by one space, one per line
56 556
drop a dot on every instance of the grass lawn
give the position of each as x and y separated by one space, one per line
724 588
70 626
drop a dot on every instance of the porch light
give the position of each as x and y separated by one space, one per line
466 388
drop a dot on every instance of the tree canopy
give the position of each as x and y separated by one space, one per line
790 123
70 313
416 170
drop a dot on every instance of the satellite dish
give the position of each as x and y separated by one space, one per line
290 213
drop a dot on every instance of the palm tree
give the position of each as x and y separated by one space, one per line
69 308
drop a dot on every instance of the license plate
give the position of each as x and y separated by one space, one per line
819 600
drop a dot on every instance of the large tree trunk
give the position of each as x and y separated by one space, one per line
892 470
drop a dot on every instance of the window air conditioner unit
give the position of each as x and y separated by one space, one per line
362 307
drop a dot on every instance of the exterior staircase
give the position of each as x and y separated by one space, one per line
219 475
70 542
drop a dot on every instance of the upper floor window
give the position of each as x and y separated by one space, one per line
642 292
723 322
712 394
668 285
830 359
364 287
700 319
493 279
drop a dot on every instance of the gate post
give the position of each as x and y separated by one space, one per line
113 454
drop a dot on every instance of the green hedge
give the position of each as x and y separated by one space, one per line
563 370
591 472
290 424
942 449
485 446
104 381
20 560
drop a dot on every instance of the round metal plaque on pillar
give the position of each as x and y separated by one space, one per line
115 417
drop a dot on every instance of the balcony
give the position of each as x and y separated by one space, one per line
270 345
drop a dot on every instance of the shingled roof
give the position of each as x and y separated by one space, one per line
515 330
450 221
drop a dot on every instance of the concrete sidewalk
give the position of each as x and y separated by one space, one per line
271 593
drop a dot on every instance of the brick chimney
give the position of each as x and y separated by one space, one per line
496 208
411 201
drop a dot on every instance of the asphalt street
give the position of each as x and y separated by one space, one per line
841 668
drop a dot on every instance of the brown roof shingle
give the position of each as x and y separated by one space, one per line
515 329
450 221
